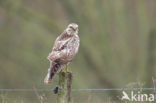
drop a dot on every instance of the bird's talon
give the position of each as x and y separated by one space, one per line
69 72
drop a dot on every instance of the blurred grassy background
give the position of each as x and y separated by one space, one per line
118 43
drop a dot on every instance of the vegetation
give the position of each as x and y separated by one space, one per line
117 46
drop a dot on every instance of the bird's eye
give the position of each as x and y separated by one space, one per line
70 27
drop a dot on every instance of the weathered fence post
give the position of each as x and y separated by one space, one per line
64 84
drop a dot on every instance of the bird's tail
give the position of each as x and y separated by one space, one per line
51 73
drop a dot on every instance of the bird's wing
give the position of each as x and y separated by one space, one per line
59 48
61 42
59 45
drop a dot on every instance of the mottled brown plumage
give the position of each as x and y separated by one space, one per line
64 50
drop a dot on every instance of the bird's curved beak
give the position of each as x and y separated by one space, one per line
74 28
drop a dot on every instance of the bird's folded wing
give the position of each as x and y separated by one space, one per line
60 45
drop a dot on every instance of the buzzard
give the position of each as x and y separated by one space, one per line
65 49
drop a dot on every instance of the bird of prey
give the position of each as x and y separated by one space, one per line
64 50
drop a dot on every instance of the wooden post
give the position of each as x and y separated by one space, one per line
64 84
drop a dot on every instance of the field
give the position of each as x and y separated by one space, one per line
117 47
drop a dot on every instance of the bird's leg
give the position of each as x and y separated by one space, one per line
67 70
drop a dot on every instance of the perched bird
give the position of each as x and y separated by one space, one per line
65 49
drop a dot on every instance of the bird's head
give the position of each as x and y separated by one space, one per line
72 29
